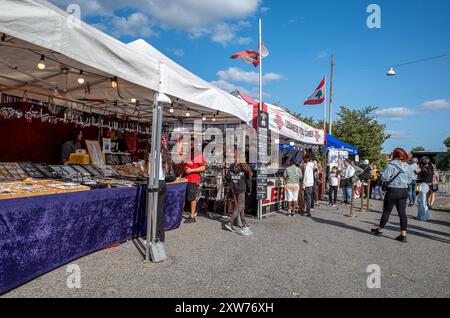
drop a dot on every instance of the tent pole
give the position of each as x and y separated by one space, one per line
151 178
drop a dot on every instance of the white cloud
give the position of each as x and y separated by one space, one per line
137 24
225 33
244 40
396 112
229 87
176 52
397 134
234 74
321 55
196 17
436 105
265 10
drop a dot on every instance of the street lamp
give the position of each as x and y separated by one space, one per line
391 72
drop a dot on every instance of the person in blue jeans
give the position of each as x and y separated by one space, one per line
413 165
424 178
347 184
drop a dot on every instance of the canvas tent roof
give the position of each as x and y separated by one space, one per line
35 27
336 143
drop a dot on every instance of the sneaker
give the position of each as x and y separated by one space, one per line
229 227
312 210
245 227
402 239
376 232
190 221
309 215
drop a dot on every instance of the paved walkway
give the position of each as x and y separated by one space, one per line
323 256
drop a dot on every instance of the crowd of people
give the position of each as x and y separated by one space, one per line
404 182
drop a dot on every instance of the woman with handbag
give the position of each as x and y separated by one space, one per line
434 187
396 178
424 181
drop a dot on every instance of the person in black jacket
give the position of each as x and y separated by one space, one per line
365 176
239 175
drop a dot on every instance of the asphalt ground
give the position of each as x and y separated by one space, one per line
295 257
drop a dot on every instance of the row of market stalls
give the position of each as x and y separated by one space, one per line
58 73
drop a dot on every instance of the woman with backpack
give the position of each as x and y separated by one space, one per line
396 178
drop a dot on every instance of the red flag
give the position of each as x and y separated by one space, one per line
249 57
318 97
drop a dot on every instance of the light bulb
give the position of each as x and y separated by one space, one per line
133 100
114 83
41 65
188 114
204 118
81 78
214 119
171 110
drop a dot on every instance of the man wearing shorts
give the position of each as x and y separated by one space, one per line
192 172
292 176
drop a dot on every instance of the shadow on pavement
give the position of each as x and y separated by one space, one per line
424 229
415 233
340 224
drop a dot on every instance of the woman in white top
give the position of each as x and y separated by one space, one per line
334 180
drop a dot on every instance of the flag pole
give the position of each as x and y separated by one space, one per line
330 106
324 162
260 212
260 64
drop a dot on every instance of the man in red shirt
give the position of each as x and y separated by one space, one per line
192 172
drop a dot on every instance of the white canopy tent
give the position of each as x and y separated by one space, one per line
35 29
196 91
117 79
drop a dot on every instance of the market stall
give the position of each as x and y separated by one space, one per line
58 73
292 136
338 152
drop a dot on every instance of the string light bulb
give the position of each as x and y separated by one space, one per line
41 65
114 83
204 117
188 114
81 78
171 110
134 100
214 118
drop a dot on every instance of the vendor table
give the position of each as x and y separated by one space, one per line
39 234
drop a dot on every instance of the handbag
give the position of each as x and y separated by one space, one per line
385 185
354 179
171 177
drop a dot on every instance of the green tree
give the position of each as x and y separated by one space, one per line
360 128
443 159
416 149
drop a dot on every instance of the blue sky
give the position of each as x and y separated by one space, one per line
301 35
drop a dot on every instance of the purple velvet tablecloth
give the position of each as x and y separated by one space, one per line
175 197
39 234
